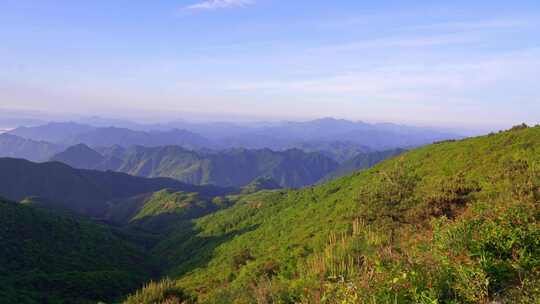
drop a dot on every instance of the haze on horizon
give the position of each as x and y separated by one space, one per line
417 62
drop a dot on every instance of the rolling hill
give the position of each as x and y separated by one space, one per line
453 222
84 191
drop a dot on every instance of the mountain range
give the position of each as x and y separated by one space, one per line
229 168
275 136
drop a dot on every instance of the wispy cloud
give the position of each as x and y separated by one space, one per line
494 24
400 42
437 34
217 4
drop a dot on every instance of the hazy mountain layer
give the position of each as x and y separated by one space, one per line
73 133
328 130
14 146
337 138
54 132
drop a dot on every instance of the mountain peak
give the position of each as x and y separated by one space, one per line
80 156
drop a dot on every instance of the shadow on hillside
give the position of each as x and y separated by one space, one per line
182 248
195 251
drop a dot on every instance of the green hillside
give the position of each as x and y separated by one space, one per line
48 258
161 211
259 184
361 161
454 222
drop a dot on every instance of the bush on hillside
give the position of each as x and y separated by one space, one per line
164 292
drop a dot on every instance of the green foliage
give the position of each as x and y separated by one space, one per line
390 194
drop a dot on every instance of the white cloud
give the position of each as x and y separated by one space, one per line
217 4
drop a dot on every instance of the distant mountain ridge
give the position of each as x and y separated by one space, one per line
373 136
325 133
231 168
125 137
73 133
54 132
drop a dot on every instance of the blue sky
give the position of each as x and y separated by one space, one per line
470 63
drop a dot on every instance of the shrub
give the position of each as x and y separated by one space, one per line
241 258
519 127
453 194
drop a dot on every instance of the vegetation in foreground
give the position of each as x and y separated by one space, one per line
454 222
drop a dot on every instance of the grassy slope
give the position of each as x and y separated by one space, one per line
50 258
268 244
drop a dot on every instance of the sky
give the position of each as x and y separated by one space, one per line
439 63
